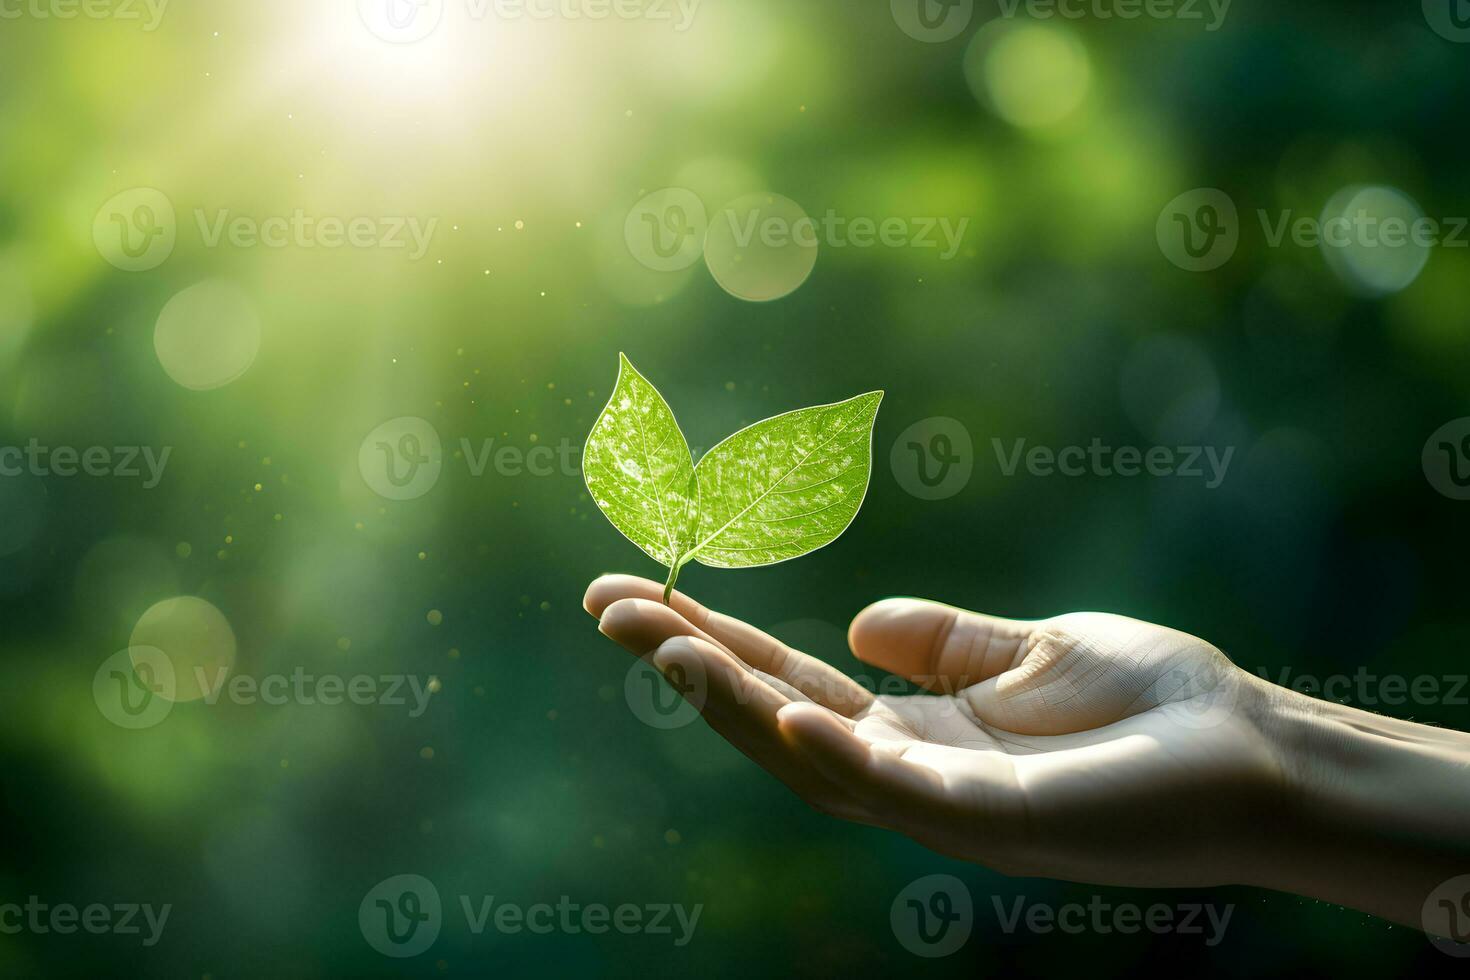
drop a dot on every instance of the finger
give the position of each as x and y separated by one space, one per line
815 679
880 779
641 625
743 710
938 647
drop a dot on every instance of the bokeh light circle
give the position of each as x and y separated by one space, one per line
1032 76
1376 239
195 637
761 247
207 335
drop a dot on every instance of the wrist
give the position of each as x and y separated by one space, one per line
1371 811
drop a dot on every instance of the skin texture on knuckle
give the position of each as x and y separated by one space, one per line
1060 677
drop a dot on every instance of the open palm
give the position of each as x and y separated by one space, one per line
1086 746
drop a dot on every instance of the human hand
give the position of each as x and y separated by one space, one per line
1086 746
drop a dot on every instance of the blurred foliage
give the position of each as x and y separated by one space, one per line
528 141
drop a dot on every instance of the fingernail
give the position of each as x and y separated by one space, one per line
672 651
788 712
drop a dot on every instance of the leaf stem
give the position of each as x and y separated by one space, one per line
673 577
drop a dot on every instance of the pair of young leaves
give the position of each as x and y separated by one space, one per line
771 492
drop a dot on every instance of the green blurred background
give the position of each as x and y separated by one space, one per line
528 777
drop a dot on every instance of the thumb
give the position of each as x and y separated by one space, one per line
1065 684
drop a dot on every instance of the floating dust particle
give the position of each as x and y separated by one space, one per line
184 549
426 753
453 653
672 836
435 617
344 643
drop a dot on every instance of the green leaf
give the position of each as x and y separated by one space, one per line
772 492
786 486
638 468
